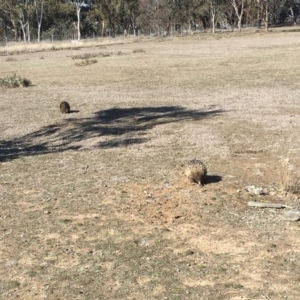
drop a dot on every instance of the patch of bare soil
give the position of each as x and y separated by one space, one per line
160 205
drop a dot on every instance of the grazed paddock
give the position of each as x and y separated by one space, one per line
94 204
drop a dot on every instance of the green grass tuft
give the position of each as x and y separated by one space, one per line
14 82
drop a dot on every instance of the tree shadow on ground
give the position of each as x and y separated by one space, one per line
115 127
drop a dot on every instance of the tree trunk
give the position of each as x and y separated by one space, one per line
240 24
23 26
213 14
39 17
267 18
239 15
28 33
103 26
133 24
78 23
292 14
39 32
14 30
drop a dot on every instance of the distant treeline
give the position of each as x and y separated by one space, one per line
40 19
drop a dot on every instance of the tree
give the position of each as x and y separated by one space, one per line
79 4
39 6
145 13
239 10
17 12
293 10
127 14
263 11
24 10
9 16
108 10
212 5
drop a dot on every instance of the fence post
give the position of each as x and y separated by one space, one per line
6 46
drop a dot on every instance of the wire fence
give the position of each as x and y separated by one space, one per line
49 41
8 45
55 37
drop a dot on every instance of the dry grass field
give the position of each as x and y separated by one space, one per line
94 204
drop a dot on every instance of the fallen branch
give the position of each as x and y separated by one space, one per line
267 205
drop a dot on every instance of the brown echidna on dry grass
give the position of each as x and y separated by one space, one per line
64 107
195 171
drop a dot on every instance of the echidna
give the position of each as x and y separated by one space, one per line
195 171
64 107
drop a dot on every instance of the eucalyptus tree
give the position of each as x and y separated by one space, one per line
109 11
194 11
23 10
293 10
146 10
127 14
213 8
263 9
280 7
184 12
59 19
238 6
181 11
16 14
155 14
163 15
9 17
78 4
39 10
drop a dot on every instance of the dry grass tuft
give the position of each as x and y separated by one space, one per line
105 54
288 184
10 59
86 62
294 187
84 56
138 51
285 175
89 56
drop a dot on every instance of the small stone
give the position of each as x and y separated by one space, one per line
10 263
292 215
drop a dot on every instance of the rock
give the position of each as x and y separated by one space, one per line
254 190
292 215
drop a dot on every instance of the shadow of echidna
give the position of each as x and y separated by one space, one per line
64 107
195 171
